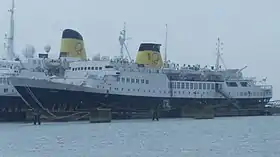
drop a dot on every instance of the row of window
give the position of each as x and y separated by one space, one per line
6 90
4 81
234 84
254 93
86 68
188 85
184 92
133 80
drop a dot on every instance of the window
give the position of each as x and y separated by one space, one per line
178 85
123 80
244 84
82 68
92 68
208 85
100 68
195 86
96 68
118 79
142 81
182 85
132 80
137 80
231 84
88 68
5 90
187 85
204 85
85 68
212 86
173 85
191 86
147 81
127 80
200 85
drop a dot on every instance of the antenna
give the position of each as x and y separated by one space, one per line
122 39
219 48
165 47
10 38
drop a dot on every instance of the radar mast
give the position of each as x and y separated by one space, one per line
122 39
219 54
9 47
165 46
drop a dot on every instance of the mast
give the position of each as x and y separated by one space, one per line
165 47
122 39
10 38
219 48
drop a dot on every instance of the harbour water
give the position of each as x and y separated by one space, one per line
219 137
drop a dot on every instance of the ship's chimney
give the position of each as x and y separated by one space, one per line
149 55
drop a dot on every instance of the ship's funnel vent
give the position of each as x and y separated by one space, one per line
72 45
149 55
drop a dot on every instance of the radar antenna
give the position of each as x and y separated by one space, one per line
9 47
122 39
219 55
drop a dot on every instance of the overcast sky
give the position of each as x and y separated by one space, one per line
250 29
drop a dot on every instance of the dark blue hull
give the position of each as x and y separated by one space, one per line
57 99
12 108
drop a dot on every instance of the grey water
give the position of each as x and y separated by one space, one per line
219 137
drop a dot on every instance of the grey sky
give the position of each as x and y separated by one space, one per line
250 29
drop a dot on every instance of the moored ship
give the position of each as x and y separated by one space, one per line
129 87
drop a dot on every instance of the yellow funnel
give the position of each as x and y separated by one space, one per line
72 45
149 55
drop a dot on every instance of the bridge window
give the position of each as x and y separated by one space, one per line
231 84
244 84
108 66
